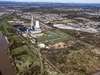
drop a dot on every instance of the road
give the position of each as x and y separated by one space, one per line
62 26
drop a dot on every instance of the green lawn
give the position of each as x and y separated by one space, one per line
54 36
64 21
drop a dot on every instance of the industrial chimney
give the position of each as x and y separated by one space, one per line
32 24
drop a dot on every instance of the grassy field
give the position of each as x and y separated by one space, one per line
54 36
63 21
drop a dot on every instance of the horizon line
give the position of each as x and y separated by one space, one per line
51 2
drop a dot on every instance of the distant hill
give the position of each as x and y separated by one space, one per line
49 5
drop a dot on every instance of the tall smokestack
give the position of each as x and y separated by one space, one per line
32 24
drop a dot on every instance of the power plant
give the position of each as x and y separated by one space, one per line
34 28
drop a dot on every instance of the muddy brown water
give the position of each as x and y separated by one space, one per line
96 73
5 65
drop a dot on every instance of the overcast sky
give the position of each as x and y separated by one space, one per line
62 1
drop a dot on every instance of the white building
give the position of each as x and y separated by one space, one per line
34 29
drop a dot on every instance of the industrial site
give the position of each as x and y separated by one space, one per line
49 39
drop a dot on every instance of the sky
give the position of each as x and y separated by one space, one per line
58 1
